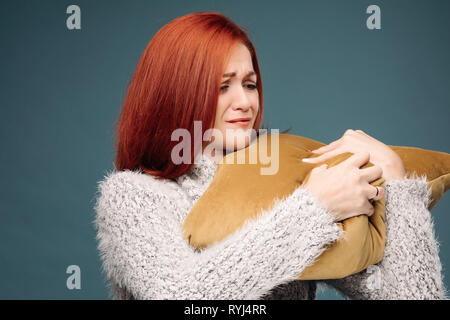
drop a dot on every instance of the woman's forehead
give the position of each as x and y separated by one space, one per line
234 74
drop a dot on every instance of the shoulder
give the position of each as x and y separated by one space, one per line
135 180
134 190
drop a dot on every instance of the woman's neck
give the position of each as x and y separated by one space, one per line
216 158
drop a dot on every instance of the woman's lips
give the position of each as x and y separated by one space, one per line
240 123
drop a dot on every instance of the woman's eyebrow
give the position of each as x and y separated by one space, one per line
233 74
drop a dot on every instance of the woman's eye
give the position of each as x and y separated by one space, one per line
249 86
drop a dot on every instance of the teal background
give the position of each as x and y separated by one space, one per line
61 91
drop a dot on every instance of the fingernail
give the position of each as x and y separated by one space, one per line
309 150
305 160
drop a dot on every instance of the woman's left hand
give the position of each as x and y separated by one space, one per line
357 141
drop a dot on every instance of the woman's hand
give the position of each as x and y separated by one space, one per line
358 141
344 189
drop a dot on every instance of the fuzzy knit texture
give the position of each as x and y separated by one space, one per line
144 255
410 268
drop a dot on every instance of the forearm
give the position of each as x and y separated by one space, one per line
153 261
266 252
411 268
143 250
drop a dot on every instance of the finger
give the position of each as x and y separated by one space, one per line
359 159
327 148
367 135
377 193
371 210
322 157
322 167
362 132
372 173
367 209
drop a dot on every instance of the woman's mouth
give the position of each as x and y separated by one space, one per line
240 122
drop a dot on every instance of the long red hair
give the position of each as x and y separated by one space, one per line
177 81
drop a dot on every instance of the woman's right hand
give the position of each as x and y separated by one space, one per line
345 190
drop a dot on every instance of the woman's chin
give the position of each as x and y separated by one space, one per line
235 146
239 141
236 141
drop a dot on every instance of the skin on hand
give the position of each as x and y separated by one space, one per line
358 141
344 189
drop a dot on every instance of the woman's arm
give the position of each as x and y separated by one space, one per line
143 250
411 268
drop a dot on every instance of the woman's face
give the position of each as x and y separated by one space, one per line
238 98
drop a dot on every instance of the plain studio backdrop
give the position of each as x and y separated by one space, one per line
323 71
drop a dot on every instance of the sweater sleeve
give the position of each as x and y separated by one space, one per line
139 234
410 268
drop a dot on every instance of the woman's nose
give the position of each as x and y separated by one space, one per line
243 107
241 101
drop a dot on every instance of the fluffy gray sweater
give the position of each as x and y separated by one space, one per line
144 255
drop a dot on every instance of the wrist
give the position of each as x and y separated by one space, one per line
395 177
394 171
409 190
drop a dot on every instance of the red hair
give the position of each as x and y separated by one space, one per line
177 81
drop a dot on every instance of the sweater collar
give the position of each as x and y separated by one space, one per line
199 177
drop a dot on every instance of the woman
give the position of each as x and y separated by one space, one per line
203 67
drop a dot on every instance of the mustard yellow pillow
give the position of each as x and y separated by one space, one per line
214 216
